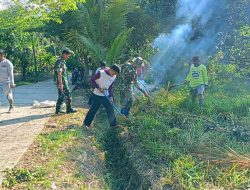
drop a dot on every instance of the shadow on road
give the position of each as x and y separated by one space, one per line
22 119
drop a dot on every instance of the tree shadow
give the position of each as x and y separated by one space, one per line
22 119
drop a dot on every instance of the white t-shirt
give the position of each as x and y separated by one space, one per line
104 82
6 72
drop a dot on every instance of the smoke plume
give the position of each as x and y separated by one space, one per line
195 34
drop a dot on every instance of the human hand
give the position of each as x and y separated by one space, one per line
60 86
101 90
12 85
111 100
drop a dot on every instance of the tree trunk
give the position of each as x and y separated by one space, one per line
24 72
34 54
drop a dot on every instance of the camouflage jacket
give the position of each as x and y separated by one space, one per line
60 65
129 77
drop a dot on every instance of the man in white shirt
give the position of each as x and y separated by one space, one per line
6 78
103 82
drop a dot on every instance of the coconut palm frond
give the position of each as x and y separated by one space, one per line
88 22
117 46
79 41
116 15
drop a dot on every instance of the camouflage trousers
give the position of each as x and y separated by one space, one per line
126 101
63 95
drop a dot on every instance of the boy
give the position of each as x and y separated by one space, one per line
103 82
197 79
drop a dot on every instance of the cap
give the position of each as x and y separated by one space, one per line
1 51
138 61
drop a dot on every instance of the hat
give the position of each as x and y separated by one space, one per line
1 51
138 61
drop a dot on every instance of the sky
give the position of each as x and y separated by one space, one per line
5 3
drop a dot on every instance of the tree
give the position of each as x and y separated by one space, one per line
101 29
22 33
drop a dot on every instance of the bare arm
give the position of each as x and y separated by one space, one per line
11 73
60 84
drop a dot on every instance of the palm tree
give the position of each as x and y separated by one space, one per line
101 28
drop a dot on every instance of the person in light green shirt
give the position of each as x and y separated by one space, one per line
198 80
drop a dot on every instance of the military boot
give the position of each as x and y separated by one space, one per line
71 110
58 109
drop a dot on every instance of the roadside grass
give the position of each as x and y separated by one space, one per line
63 157
21 83
177 145
168 143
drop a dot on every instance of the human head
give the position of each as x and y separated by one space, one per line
196 61
66 53
102 64
114 70
138 61
1 54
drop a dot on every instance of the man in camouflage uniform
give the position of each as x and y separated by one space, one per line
61 80
128 80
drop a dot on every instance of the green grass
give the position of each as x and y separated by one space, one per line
22 83
50 145
170 134
63 156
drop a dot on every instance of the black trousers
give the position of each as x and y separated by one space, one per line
97 101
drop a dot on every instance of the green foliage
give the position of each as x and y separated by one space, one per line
117 46
190 176
18 175
22 17
101 29
168 128
245 31
54 140
78 41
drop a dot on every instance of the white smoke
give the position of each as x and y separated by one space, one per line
195 34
